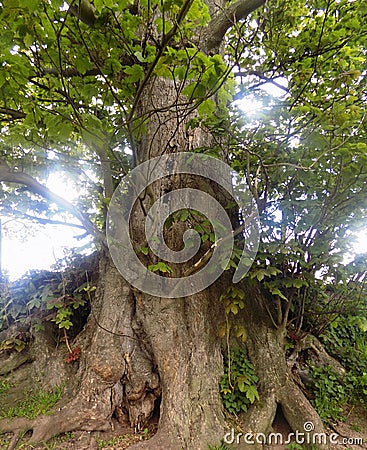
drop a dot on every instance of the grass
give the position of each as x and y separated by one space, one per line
34 404
4 387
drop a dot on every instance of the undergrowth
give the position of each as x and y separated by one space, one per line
34 404
4 386
347 343
221 447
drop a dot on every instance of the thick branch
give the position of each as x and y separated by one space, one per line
41 220
234 12
7 175
84 11
14 114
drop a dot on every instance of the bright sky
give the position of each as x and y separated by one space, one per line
28 246
361 244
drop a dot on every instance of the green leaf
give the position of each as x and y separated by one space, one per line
82 65
184 215
161 267
28 40
276 291
65 324
252 393
135 72
206 108
139 56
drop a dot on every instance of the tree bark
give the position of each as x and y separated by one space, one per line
266 349
116 371
185 341
183 332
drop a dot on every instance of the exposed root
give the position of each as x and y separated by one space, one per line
259 419
301 416
298 412
261 414
45 427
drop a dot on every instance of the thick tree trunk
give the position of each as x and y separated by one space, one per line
115 369
266 349
185 342
183 332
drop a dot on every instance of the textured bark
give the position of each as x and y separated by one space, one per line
183 332
266 348
111 381
184 340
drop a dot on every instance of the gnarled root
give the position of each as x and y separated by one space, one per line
297 411
72 417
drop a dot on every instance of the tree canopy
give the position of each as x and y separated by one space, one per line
71 78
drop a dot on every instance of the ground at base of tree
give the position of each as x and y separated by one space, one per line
122 437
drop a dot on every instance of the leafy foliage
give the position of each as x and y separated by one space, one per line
303 153
330 394
238 386
347 342
61 297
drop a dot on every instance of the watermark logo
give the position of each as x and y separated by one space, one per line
306 436
133 187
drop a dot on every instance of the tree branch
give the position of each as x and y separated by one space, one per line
84 11
7 175
262 76
41 220
69 72
14 114
234 12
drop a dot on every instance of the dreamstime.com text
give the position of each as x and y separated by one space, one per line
307 436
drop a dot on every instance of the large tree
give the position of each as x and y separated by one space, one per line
95 90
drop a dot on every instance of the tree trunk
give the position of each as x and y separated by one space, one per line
266 349
185 342
183 332
111 380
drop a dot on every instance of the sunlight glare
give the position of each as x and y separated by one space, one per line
360 245
29 246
